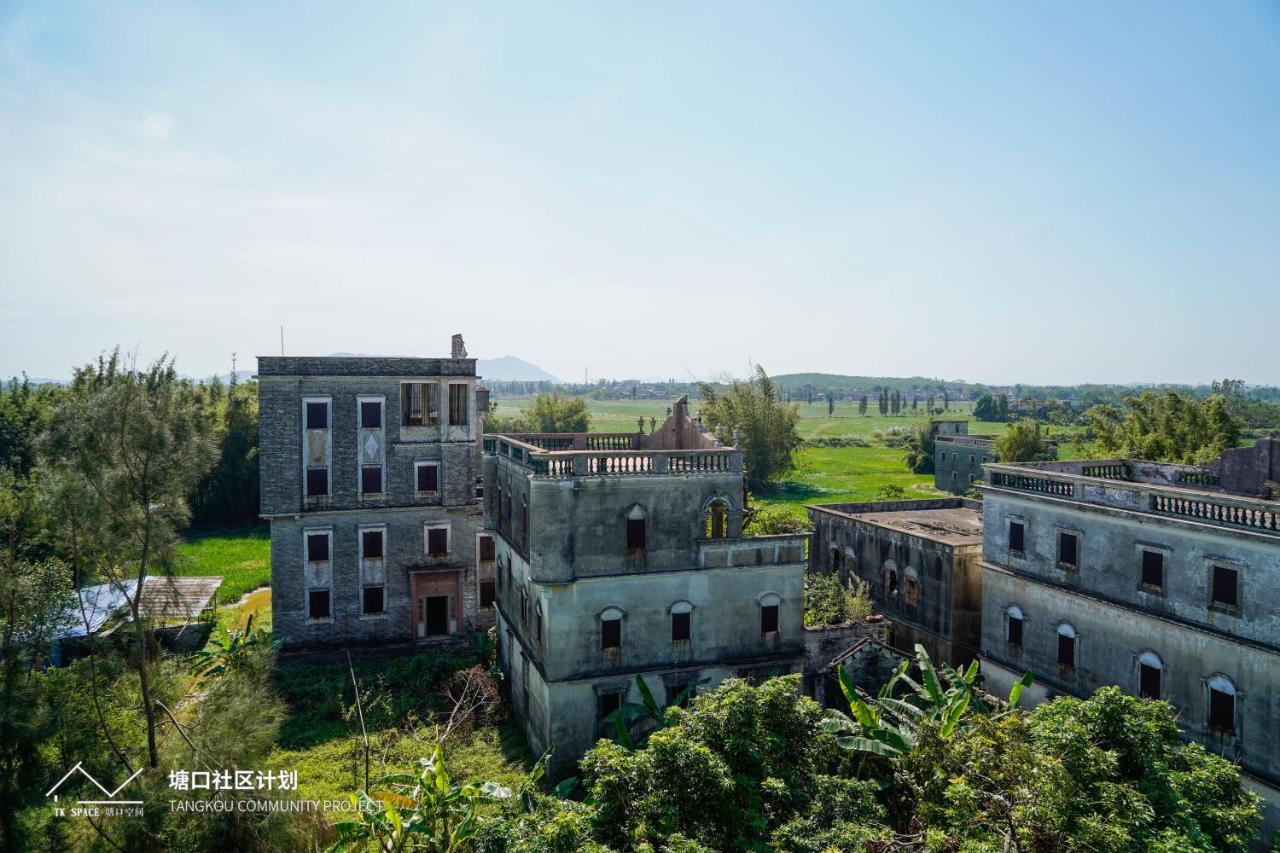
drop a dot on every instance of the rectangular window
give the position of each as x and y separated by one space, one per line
373 599
486 549
317 547
438 541
1068 548
317 482
488 593
537 623
679 627
1152 569
769 619
1225 592
913 593
610 634
1017 533
419 404
1148 681
428 477
371 544
371 480
317 415
1066 650
1222 711
370 414
1015 631
609 703
318 604
635 534
457 404
524 608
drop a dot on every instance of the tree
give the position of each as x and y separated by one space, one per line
33 598
1166 427
767 425
1021 442
946 400
920 446
987 408
862 405
127 448
831 403
1003 407
556 412
228 494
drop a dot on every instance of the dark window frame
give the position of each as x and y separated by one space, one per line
1017 542
488 592
1152 569
366 592
318 537
1066 644
433 533
1065 536
1224 579
636 533
317 484
366 486
311 603
1146 672
366 537
610 634
1222 711
367 407
1013 630
681 627
316 414
769 618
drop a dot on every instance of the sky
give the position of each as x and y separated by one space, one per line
1000 192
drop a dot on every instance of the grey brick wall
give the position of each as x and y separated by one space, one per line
283 383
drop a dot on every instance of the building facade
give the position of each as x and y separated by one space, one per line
1162 579
958 461
622 555
920 562
369 479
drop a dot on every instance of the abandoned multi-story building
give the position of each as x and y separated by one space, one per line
919 560
1162 579
369 479
622 555
957 456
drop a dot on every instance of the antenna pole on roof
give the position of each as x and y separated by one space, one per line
282 339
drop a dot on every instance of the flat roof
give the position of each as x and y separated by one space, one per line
953 525
364 365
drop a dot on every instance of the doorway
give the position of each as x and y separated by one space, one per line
436 599
437 616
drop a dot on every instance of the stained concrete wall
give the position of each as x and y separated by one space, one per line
958 464
1116 619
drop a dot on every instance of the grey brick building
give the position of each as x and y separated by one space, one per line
1162 579
920 561
622 554
369 479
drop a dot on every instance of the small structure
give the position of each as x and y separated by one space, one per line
182 608
919 559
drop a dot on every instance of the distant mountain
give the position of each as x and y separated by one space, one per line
508 368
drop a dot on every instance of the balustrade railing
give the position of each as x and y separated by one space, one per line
565 463
1108 471
1253 518
694 463
1044 485
1199 478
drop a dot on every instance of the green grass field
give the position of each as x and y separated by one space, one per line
241 556
842 474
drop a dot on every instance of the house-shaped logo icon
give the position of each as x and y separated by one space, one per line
110 795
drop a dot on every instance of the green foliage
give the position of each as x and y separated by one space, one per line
429 811
26 410
557 412
774 521
228 493
919 443
827 601
767 425
240 556
243 648
1166 427
1022 442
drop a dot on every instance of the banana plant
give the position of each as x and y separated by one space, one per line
887 725
425 811
235 653
648 709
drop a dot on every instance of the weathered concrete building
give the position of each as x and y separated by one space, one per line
369 479
920 561
1162 579
957 456
622 554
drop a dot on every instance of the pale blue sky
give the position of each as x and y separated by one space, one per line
998 192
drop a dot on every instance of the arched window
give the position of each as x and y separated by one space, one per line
891 577
1013 627
770 603
1066 645
715 519
681 622
635 530
912 586
1222 704
1150 668
611 630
